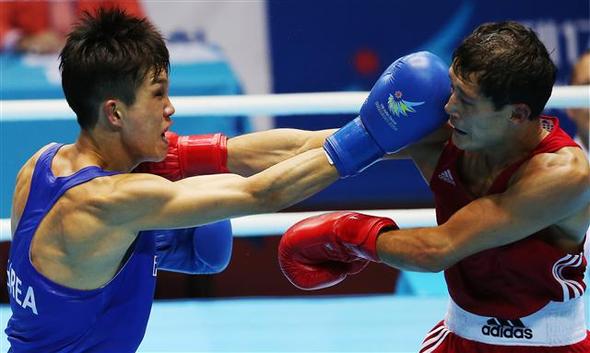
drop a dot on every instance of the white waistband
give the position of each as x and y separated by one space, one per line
556 324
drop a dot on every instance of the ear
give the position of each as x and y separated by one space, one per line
520 113
111 109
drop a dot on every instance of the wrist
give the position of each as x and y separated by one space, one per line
203 154
378 226
351 149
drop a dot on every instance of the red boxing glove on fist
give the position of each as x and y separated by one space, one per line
189 156
321 251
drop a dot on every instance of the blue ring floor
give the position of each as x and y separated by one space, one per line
379 323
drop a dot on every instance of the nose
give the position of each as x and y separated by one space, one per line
451 106
169 109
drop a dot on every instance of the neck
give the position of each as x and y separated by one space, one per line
103 150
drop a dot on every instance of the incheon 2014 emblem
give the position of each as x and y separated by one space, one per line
398 106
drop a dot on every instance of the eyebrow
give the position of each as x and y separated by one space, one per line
464 96
158 80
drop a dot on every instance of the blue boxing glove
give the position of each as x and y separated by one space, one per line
199 250
405 104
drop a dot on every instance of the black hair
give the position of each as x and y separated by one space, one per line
107 56
509 63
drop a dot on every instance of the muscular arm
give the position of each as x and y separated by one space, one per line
252 153
549 190
143 201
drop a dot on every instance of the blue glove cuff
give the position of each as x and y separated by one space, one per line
352 149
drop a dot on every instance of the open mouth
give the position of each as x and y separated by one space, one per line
459 131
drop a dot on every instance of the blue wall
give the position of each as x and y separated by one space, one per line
315 43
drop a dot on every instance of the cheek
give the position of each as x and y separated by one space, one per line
138 127
471 110
482 128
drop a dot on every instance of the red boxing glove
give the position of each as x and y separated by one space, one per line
189 156
321 251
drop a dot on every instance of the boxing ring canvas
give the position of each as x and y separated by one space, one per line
312 324
380 323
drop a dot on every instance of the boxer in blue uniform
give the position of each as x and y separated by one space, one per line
89 235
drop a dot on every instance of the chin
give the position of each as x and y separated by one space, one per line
463 142
161 151
458 140
161 156
157 155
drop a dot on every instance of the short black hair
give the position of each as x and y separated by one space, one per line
108 55
509 63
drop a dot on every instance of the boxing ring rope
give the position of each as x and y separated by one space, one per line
272 104
277 223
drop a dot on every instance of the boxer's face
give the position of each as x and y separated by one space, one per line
477 124
148 118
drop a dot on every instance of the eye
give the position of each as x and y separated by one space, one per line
465 102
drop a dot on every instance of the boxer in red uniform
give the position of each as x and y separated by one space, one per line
512 194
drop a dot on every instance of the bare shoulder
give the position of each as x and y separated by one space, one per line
27 168
23 183
569 165
117 199
83 237
550 192
560 182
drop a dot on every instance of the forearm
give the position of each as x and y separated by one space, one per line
417 249
204 199
252 153
293 180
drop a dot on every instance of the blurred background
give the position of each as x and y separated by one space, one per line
273 46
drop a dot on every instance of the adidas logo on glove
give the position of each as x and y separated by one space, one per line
507 329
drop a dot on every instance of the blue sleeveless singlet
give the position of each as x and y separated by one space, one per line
48 317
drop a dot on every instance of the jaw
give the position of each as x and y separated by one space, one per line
462 141
476 143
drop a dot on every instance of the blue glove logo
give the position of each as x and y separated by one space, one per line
398 106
